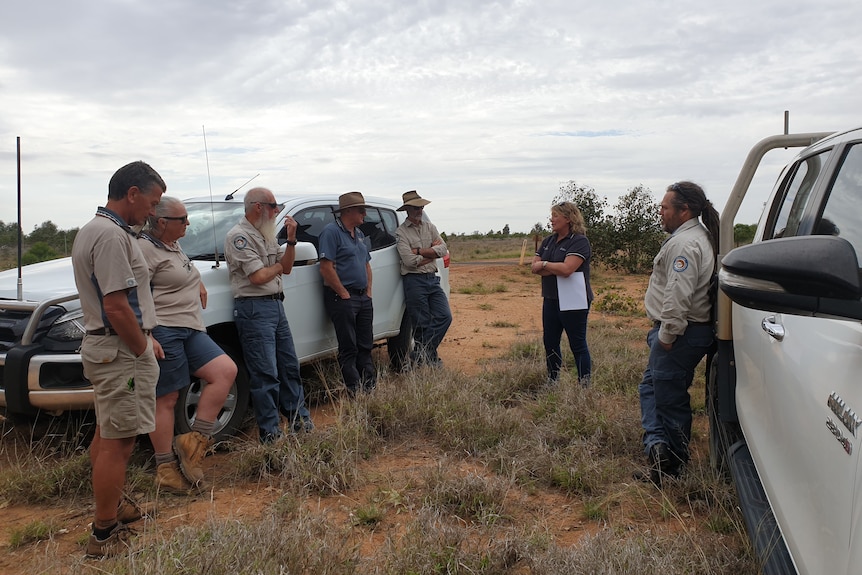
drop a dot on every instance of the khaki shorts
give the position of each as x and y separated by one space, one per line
124 386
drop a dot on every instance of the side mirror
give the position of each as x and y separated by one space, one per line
804 275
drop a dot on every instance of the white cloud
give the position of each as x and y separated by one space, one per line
484 107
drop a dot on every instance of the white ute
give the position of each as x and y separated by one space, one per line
40 334
785 388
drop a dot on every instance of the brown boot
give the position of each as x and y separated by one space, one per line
191 448
169 478
116 543
129 510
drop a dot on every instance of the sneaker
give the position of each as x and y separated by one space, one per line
129 510
169 478
191 448
116 543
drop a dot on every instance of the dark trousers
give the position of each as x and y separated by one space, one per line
574 322
270 357
665 403
429 311
353 320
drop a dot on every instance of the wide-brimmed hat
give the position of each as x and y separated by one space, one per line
412 198
351 200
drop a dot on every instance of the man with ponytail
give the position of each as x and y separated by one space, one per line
679 303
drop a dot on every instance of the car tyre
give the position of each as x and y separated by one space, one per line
233 414
400 346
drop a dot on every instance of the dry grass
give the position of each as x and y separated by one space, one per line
495 474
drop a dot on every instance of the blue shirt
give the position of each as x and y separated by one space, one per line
348 253
553 251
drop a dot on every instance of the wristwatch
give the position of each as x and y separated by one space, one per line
544 264
291 243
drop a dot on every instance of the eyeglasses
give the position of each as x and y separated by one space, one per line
272 205
184 219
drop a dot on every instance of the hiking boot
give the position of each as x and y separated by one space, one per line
116 543
661 466
586 380
191 448
129 510
169 478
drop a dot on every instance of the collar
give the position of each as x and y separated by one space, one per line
688 224
158 243
115 217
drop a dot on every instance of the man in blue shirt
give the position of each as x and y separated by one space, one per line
346 270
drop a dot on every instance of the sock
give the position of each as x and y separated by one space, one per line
162 458
102 534
205 428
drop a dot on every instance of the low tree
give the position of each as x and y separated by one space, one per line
38 252
637 233
743 234
599 225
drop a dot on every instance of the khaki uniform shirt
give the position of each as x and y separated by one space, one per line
246 251
175 283
410 236
106 258
678 290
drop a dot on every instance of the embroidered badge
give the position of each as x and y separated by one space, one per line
240 242
680 264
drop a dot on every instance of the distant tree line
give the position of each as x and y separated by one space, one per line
45 242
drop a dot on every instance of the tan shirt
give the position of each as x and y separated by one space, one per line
176 284
411 236
246 251
106 258
678 290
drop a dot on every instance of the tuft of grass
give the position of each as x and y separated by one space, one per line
480 288
502 323
471 497
367 515
35 531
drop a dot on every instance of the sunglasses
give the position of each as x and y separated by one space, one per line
183 219
272 205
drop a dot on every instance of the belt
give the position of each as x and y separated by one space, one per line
657 323
424 274
276 296
110 331
355 291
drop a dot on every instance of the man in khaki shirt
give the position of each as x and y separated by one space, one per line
420 246
251 251
678 301
117 352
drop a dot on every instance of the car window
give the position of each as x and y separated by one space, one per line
209 223
375 228
797 191
842 213
310 222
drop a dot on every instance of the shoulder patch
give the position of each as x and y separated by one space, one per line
680 264
240 242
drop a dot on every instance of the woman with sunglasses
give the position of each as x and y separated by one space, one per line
180 296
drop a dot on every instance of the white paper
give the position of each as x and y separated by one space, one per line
572 291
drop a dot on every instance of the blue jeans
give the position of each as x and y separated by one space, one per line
664 399
429 312
353 320
270 358
574 322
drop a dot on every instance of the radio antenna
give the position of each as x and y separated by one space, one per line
212 208
230 195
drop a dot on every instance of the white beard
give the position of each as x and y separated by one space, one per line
267 229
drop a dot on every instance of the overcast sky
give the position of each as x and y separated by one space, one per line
485 108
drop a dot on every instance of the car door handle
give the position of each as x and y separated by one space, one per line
775 330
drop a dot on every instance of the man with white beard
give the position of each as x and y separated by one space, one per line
251 251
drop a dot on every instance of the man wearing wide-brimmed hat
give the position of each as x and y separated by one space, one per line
346 270
420 245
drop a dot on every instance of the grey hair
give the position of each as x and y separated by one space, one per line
163 208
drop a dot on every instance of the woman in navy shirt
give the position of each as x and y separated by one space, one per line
565 252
